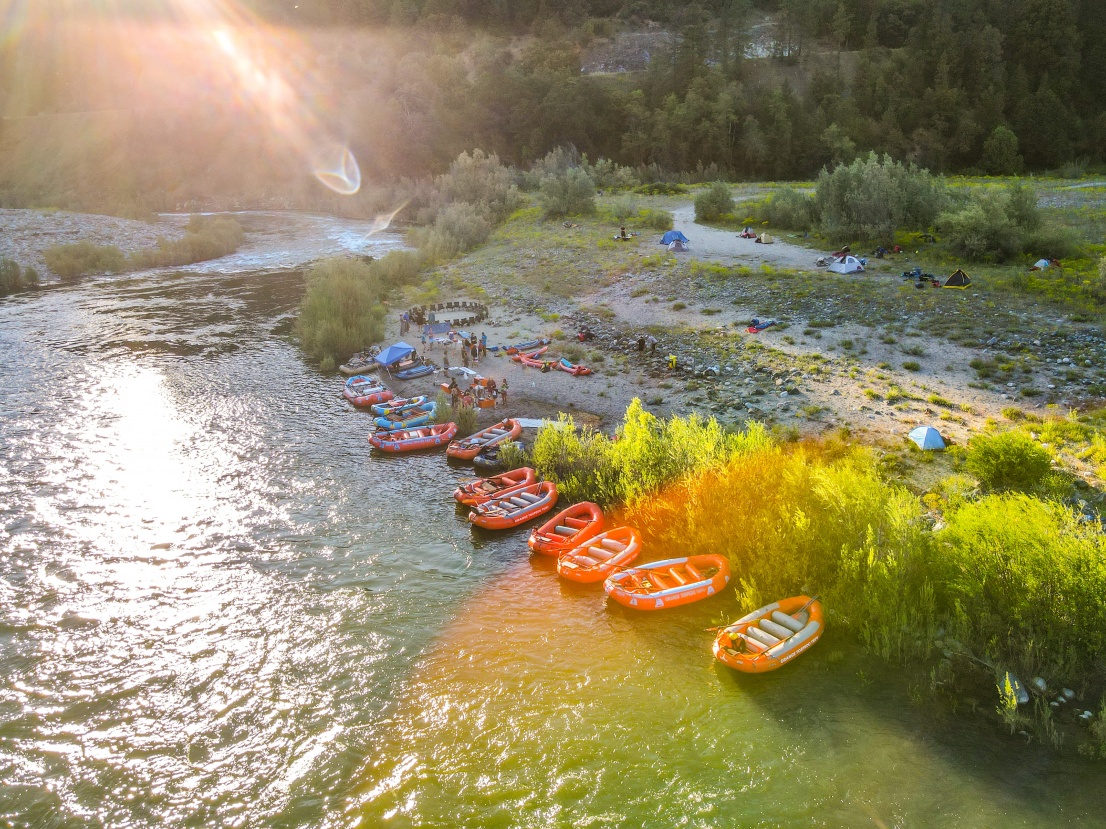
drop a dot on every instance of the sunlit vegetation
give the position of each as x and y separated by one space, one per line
13 278
341 310
80 258
1011 580
205 237
463 416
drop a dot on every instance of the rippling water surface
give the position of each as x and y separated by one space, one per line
216 608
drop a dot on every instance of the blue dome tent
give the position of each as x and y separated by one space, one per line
927 438
394 353
672 236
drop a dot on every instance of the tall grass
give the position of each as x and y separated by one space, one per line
14 278
806 518
205 237
646 453
81 258
1010 579
1023 581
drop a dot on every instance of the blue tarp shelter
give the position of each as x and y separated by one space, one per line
672 235
394 353
927 438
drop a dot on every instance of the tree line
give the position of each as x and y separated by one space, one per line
953 86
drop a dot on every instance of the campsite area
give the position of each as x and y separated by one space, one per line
869 352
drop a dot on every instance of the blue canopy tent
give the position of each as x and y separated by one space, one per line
394 353
672 235
927 438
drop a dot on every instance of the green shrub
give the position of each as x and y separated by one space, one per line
340 312
13 278
396 269
714 203
653 219
459 227
570 193
81 258
608 175
622 209
481 180
995 227
787 208
1023 581
587 465
981 230
1010 460
872 197
205 237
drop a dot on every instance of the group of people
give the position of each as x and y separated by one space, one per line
647 340
475 393
472 350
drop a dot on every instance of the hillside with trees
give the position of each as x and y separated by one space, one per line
139 113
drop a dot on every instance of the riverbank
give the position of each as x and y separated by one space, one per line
867 352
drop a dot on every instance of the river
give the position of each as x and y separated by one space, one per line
218 609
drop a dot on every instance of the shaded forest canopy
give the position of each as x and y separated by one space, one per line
140 112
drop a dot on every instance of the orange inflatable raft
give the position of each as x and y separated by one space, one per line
473 445
568 529
669 583
516 508
484 489
528 357
770 637
410 440
600 556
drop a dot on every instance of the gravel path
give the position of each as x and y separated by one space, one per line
709 243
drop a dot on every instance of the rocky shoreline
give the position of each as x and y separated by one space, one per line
25 234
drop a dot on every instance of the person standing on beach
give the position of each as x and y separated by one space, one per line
503 391
464 356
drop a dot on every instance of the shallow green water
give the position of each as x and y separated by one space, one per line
216 608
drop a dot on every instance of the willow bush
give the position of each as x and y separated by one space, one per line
1014 579
809 518
341 310
1024 581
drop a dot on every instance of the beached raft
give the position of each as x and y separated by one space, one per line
407 419
484 489
568 529
473 445
600 556
669 583
398 404
517 507
527 346
528 358
359 363
411 440
771 636
491 458
574 369
363 391
416 371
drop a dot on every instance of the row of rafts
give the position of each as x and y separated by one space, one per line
588 552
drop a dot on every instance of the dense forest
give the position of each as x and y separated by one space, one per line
141 112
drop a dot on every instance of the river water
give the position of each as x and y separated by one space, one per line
217 609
